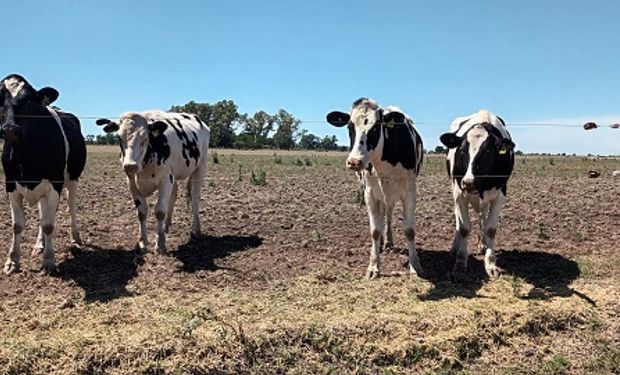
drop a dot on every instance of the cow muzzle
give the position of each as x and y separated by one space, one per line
355 164
131 169
468 185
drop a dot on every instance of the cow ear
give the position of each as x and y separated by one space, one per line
450 140
158 127
338 119
394 118
505 145
111 127
47 95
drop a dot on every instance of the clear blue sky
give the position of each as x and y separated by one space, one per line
526 60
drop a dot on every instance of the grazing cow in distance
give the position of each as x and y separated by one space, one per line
44 149
387 151
158 149
480 160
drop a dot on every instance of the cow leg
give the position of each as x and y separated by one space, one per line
143 210
409 205
49 206
38 247
72 186
377 219
173 199
490 228
161 208
194 189
484 212
463 228
389 212
19 221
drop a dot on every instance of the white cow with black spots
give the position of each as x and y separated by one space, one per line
157 150
480 160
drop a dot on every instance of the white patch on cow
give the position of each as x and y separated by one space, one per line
33 196
14 86
363 116
64 136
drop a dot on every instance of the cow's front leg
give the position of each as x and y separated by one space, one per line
143 209
161 208
377 218
489 231
463 228
19 221
389 212
38 246
49 206
409 205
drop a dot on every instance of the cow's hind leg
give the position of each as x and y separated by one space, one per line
161 208
49 206
463 228
194 188
173 199
72 186
377 219
19 221
409 205
488 233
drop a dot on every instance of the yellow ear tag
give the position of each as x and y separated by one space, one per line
155 133
502 151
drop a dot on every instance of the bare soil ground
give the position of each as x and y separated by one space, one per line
277 285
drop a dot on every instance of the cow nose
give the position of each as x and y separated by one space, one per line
354 164
468 185
130 168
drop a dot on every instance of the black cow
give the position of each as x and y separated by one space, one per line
480 160
387 151
43 149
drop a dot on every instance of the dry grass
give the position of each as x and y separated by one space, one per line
253 299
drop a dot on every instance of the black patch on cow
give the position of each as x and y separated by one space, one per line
171 178
490 168
369 169
40 153
190 145
398 146
373 136
136 202
187 117
158 150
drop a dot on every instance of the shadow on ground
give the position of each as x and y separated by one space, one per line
199 253
102 273
550 274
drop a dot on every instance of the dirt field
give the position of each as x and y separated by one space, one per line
277 286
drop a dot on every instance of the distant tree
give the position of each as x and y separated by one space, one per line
222 118
329 142
519 153
439 150
258 126
105 139
309 141
287 129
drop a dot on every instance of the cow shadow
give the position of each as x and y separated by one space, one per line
200 253
550 274
103 274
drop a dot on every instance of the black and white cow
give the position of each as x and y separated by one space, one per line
387 151
158 149
480 160
43 150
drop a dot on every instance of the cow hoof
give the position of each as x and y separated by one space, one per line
494 271
48 267
417 271
142 245
371 275
162 250
388 247
77 240
11 267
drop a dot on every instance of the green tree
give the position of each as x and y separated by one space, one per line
287 129
258 126
329 142
222 118
309 141
440 150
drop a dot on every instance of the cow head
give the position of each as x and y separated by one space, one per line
477 154
364 123
20 105
135 133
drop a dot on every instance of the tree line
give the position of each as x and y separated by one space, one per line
232 129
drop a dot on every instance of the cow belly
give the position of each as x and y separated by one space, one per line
35 195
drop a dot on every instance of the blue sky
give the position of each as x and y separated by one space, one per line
526 60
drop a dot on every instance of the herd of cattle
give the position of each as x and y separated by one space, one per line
44 150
